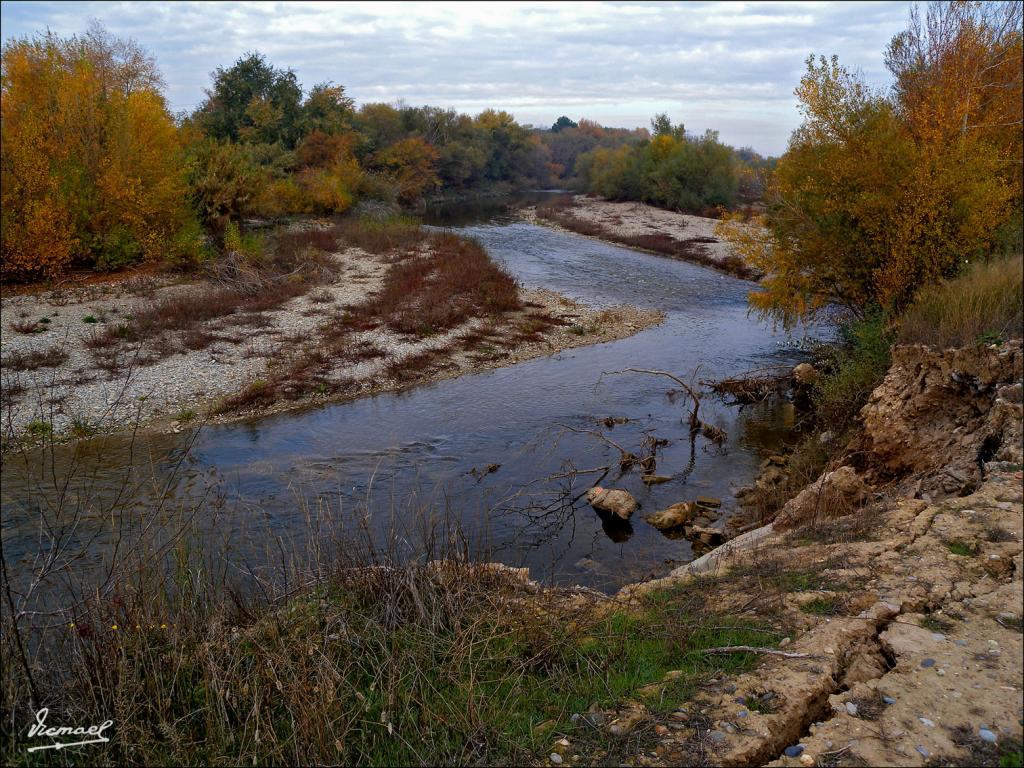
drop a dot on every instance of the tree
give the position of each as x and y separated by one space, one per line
90 158
328 110
412 164
562 123
254 102
878 195
661 125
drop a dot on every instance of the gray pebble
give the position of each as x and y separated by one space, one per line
926 722
555 758
928 663
888 699
795 751
924 752
717 737
962 643
730 728
986 735
741 713
938 636
851 709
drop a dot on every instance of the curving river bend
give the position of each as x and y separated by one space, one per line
376 463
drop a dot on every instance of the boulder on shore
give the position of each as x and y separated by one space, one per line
673 517
613 501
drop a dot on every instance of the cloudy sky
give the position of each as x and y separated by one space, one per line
728 66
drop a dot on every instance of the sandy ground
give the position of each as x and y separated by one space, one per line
77 398
629 219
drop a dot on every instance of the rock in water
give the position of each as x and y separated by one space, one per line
805 374
712 537
709 501
614 501
655 479
673 517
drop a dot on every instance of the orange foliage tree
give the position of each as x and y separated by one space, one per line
90 158
877 195
412 164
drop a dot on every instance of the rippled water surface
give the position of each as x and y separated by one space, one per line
378 460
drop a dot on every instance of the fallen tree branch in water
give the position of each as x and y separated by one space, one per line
626 459
710 431
753 386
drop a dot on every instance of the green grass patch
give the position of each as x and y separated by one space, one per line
823 606
962 548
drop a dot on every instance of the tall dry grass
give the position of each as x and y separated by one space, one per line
985 304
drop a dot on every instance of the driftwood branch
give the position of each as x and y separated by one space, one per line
754 649
711 432
626 459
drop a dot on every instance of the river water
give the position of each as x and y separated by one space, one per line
394 461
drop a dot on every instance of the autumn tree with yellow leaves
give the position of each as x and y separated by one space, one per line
90 158
878 194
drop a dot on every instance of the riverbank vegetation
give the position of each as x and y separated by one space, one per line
98 173
897 213
880 194
443 663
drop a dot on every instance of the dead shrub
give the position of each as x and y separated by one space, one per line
35 359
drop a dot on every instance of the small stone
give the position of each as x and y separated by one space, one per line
962 643
940 672
888 699
924 752
794 751
709 501
928 663
574 717
555 758
806 759
661 730
563 742
938 636
741 713
717 737
729 728
986 735
926 722
851 709
784 642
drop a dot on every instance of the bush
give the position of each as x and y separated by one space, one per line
986 303
857 367
92 167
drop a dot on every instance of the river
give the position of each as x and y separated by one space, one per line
389 462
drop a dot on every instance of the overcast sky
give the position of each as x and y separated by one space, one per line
727 66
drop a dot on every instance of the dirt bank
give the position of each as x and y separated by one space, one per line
644 227
73 365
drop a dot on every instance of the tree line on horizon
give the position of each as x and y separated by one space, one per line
98 173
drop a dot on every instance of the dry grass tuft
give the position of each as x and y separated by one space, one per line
984 305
